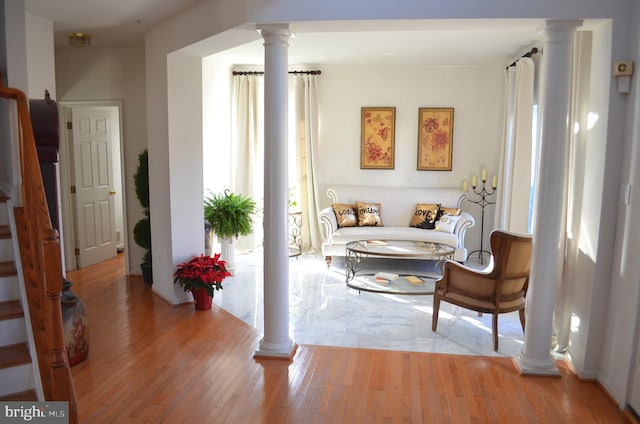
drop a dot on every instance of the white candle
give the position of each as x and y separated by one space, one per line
465 186
484 174
474 181
495 181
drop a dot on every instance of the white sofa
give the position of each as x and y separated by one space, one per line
398 205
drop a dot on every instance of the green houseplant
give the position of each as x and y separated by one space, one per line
230 215
142 229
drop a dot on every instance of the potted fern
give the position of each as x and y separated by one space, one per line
142 229
230 216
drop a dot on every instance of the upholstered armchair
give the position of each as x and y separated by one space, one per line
499 289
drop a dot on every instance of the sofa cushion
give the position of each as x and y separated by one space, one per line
447 223
369 214
343 236
425 216
448 211
345 215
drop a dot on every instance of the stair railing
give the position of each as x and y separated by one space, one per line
42 265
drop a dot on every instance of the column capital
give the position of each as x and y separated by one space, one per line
274 30
558 27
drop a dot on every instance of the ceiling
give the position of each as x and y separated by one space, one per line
410 42
109 21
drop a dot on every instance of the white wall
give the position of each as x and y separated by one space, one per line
40 57
205 19
184 176
475 92
587 294
622 334
15 76
109 73
216 110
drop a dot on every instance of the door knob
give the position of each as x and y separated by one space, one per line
112 192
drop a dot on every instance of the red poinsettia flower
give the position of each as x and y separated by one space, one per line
202 272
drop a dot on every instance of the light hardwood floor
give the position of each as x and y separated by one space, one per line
150 362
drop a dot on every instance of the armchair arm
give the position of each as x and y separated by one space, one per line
465 280
328 223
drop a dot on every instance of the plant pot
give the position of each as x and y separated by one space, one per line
147 273
228 253
202 299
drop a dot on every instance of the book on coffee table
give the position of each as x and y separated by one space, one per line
385 276
413 280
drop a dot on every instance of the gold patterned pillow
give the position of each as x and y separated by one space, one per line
369 214
425 216
345 215
448 211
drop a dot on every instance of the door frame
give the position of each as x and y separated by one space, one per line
68 218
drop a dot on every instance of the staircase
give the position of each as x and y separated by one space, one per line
17 370
31 282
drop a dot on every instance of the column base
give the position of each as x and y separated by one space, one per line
533 367
286 350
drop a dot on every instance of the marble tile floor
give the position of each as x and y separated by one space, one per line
324 311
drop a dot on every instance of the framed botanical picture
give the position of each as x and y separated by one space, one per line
435 139
378 138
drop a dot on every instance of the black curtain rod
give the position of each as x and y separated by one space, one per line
262 73
527 54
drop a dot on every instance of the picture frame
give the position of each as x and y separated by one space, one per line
377 144
435 139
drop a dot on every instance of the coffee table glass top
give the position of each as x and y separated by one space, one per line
401 248
359 251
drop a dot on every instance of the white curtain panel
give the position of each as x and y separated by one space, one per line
247 174
247 149
567 282
304 125
512 201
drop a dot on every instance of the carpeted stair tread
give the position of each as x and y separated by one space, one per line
5 232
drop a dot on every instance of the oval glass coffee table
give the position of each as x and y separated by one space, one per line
357 253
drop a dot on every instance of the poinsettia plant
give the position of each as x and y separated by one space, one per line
201 272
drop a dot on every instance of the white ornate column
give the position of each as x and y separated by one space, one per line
276 341
535 357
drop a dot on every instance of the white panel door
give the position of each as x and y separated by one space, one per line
95 211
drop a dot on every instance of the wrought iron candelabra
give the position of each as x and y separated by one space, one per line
483 202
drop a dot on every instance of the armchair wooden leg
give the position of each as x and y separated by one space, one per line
494 330
327 259
436 309
522 322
